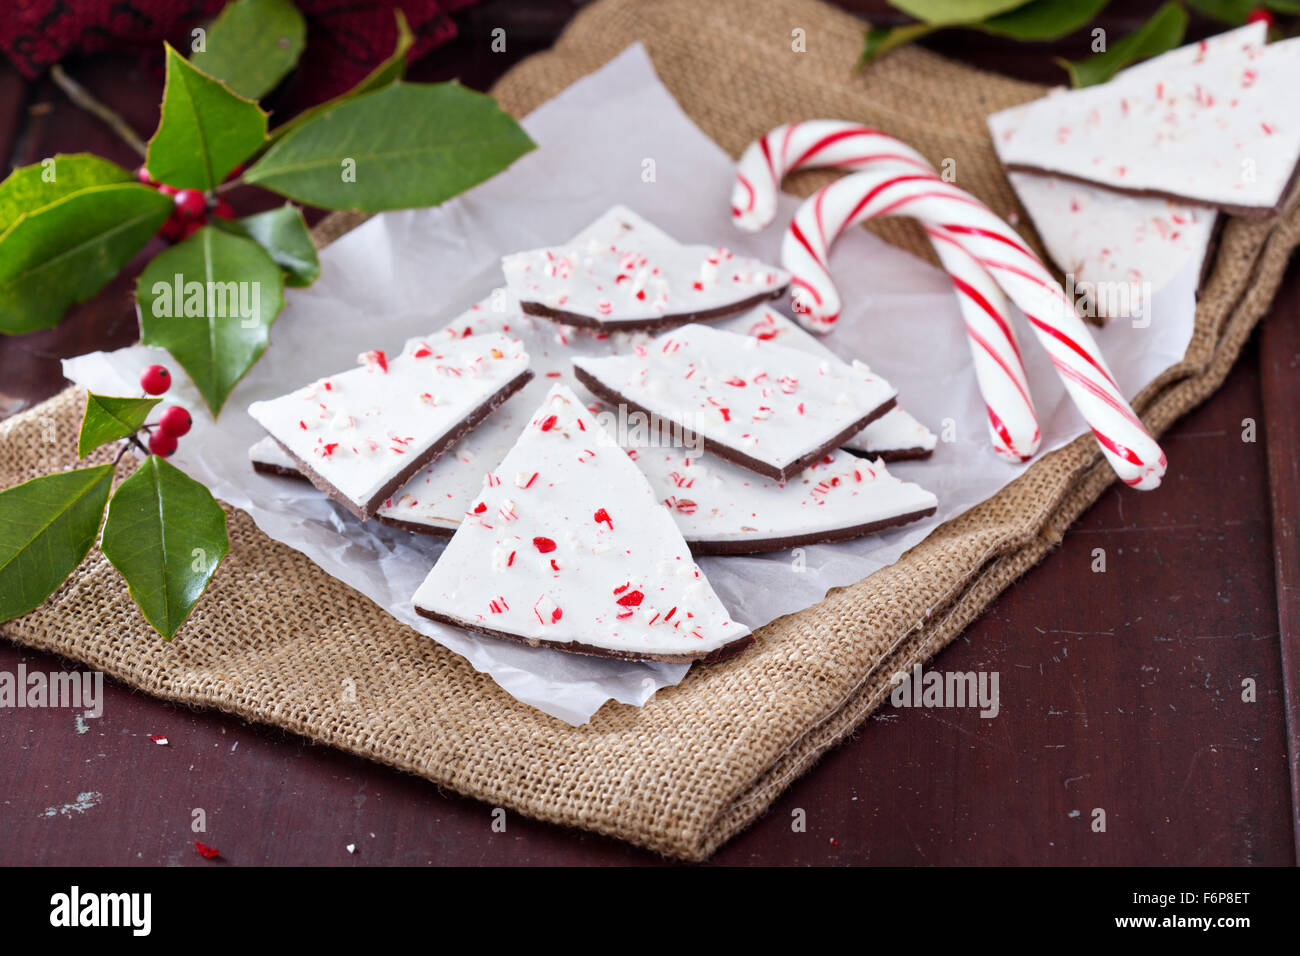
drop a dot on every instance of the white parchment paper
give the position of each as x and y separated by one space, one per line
407 273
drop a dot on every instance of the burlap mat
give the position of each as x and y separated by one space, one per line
277 640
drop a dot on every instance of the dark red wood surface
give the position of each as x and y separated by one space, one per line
1120 691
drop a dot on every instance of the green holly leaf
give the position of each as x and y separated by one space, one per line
109 419
166 535
1044 19
1229 11
1283 6
941 13
210 301
880 40
389 71
252 45
284 235
31 188
47 526
1163 32
205 130
400 147
68 250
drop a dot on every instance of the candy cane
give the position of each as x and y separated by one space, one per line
954 217
807 145
1013 423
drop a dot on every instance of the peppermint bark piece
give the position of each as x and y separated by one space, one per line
1117 250
623 274
1209 124
567 547
769 408
894 436
723 509
360 435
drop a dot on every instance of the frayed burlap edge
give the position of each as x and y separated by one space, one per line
702 760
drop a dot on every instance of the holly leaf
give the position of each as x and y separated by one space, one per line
31 188
210 301
403 146
880 40
252 45
283 234
1044 19
47 526
165 534
205 130
941 13
1229 11
68 250
109 419
389 71
1161 33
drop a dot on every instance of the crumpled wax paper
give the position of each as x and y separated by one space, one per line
408 273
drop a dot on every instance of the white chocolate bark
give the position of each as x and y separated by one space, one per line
894 433
566 545
1211 123
623 272
358 430
773 404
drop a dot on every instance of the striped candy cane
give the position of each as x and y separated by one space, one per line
958 220
808 145
1013 423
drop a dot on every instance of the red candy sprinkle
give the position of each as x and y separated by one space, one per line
205 851
480 508
602 517
544 545
548 423
631 599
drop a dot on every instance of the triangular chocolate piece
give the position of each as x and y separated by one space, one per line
623 274
567 546
1211 123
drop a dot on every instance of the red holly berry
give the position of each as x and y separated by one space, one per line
190 203
173 229
161 443
175 421
1261 15
190 228
223 210
156 379
142 174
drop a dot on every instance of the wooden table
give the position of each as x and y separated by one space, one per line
1120 691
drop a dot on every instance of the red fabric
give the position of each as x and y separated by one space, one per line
345 38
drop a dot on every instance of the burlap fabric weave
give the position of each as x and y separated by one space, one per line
277 640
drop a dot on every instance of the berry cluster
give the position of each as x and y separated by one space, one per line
174 421
192 208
